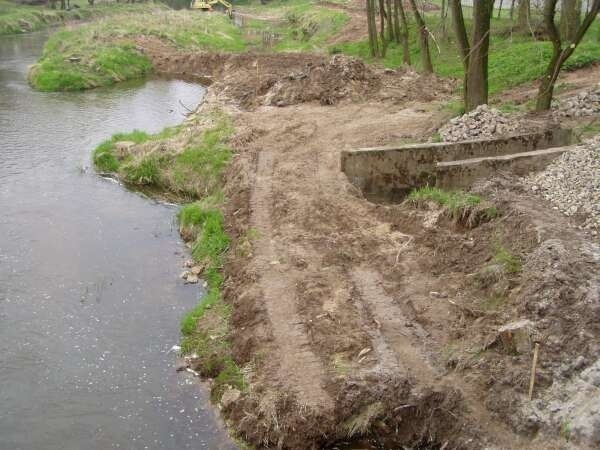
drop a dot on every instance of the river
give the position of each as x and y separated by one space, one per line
90 300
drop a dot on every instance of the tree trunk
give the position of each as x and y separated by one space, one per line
570 19
423 39
500 9
462 40
523 14
559 55
512 9
477 78
396 22
443 18
382 27
390 20
372 28
404 34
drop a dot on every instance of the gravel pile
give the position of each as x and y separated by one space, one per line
572 183
585 103
481 123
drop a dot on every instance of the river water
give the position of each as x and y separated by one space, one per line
90 299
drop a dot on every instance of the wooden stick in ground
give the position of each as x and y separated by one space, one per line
533 365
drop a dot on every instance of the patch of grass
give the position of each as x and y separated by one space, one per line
16 19
104 156
192 173
142 172
204 160
205 328
503 257
308 28
103 65
454 108
104 52
453 201
514 58
467 209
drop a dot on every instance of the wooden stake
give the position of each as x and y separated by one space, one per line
533 365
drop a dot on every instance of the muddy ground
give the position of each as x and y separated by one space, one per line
354 320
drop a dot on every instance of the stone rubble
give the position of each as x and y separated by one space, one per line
572 183
586 103
481 123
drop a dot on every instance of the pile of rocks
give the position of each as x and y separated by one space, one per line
572 183
585 103
481 123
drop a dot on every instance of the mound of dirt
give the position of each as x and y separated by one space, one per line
328 82
251 80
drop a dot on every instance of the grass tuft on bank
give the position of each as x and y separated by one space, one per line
160 164
461 207
205 328
105 52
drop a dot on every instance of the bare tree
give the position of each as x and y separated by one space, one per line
560 54
423 39
474 56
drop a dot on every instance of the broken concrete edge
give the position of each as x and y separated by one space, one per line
388 173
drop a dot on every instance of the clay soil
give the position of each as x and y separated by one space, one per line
357 321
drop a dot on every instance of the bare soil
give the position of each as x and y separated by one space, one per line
353 319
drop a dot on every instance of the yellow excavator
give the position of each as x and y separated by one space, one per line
207 5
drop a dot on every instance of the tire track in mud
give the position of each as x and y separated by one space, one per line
396 340
278 292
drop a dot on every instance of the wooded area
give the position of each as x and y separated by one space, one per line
565 36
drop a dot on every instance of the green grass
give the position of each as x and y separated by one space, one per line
195 172
511 263
299 25
104 156
514 59
205 328
104 65
451 200
104 52
15 19
468 209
